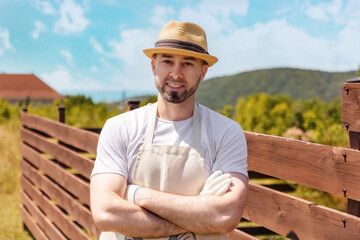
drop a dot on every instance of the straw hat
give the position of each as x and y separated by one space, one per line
182 38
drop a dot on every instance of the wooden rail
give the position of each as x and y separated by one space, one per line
58 160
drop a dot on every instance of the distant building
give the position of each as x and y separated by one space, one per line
23 88
132 104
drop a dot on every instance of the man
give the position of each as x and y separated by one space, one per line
159 169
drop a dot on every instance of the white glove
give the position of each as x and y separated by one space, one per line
130 192
217 184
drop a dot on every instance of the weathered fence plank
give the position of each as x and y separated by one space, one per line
71 183
295 217
69 228
67 156
76 137
326 168
50 230
31 225
351 106
77 211
239 235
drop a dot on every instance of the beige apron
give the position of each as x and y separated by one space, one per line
174 169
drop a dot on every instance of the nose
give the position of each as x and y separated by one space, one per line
176 72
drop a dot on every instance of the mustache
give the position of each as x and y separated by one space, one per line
172 80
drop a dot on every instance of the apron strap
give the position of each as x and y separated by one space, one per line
196 130
149 134
196 127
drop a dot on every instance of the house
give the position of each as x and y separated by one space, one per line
23 88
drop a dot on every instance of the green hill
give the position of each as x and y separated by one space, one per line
217 92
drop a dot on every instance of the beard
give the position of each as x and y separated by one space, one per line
176 97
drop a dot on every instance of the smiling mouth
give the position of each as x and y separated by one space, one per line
174 85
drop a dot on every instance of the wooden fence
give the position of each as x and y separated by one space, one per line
58 159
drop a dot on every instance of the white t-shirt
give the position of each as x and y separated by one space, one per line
222 139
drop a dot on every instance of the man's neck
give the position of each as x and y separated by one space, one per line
176 112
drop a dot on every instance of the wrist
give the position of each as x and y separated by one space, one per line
139 196
131 192
134 194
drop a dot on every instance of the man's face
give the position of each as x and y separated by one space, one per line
177 77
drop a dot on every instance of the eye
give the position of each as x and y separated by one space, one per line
188 64
167 61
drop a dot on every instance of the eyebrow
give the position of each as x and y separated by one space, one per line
166 56
190 58
185 58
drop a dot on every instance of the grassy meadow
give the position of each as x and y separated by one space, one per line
80 112
310 120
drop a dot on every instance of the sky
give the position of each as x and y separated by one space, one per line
93 46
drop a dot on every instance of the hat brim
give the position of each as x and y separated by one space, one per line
211 60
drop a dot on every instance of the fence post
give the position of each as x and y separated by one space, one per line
351 123
61 114
61 118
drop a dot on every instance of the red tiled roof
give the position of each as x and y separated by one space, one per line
22 86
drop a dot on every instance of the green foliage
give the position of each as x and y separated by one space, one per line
78 100
217 92
150 99
227 111
7 111
80 111
320 197
357 74
312 120
265 114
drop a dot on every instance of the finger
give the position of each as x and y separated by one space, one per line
223 188
223 184
213 176
218 179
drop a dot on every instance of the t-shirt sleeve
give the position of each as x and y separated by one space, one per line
232 152
111 150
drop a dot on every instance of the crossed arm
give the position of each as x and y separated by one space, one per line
160 214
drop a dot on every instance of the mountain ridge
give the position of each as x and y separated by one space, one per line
217 92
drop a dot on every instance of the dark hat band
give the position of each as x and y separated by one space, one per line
171 43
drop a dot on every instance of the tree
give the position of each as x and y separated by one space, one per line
226 111
264 114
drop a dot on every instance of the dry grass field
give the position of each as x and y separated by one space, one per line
11 226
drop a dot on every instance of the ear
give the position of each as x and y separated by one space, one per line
204 69
153 60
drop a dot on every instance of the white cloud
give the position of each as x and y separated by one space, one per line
161 15
67 55
45 7
5 41
39 27
63 80
131 43
272 44
96 45
325 11
236 7
72 19
129 50
215 18
60 79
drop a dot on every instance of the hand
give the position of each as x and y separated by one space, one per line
217 184
130 192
